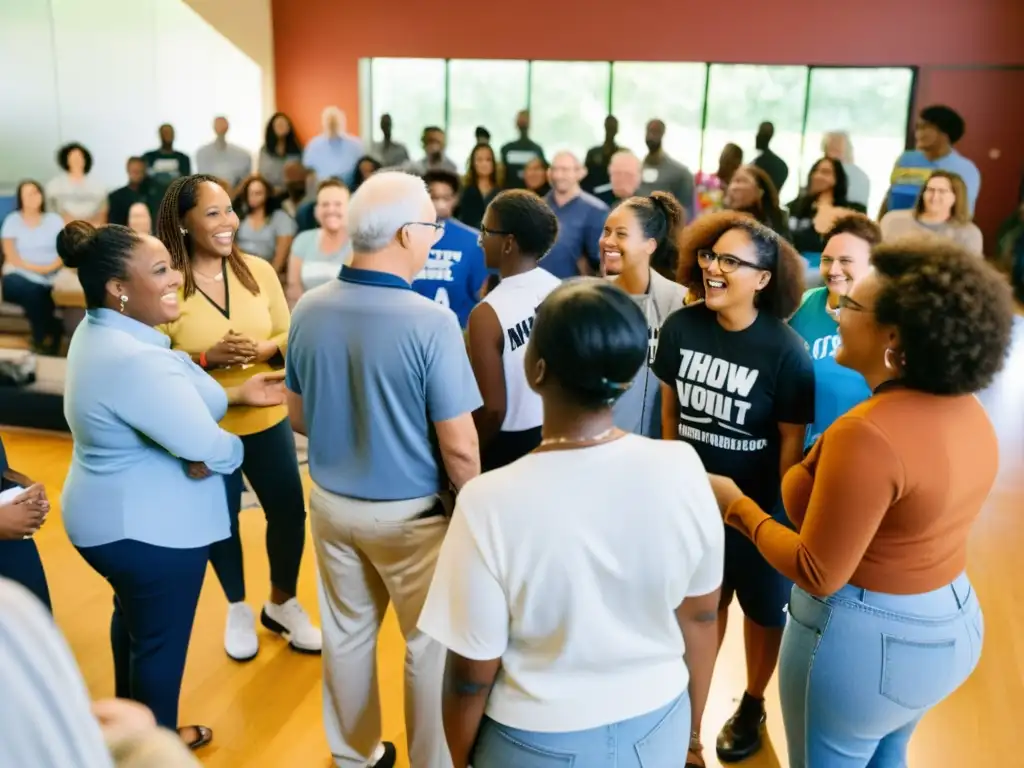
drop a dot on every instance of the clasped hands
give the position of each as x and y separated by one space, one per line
25 514
236 349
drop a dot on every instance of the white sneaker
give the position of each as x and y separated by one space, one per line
240 641
291 621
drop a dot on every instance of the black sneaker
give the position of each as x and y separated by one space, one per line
388 759
740 737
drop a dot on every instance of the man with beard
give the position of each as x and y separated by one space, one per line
663 174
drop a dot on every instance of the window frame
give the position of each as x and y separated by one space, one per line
367 104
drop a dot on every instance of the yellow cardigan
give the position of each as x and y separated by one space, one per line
261 317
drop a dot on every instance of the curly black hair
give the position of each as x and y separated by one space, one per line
781 297
946 120
954 313
527 218
67 149
442 176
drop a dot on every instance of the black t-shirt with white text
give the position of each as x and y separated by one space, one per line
733 388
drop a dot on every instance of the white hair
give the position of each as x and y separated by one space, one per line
626 154
382 205
333 111
847 144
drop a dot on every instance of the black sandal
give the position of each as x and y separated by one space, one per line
204 737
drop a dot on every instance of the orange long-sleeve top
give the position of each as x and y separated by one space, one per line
885 499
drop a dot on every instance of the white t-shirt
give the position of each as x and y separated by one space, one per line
82 199
569 565
515 301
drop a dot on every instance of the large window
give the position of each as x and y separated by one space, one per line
670 92
871 106
484 93
704 106
741 97
568 104
412 92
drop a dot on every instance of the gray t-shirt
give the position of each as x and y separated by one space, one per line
225 161
664 174
639 408
376 364
262 242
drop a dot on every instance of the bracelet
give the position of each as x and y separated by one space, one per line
202 360
695 746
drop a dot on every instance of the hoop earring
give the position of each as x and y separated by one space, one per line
888 362
124 300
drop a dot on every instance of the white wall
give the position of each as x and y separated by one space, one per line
107 73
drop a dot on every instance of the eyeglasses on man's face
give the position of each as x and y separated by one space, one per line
437 226
726 261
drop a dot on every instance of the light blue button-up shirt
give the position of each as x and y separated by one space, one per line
335 156
138 411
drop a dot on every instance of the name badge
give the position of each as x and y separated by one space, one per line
649 175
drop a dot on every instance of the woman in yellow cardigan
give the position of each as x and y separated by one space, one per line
234 323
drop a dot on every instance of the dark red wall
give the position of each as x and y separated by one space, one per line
963 49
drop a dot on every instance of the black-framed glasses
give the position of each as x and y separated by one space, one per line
726 261
485 231
845 302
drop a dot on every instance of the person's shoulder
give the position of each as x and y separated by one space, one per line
302 240
911 158
689 316
53 220
594 201
261 269
959 163
12 222
896 217
464 232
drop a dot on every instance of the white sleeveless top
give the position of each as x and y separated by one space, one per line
515 301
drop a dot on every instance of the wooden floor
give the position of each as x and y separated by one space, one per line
266 714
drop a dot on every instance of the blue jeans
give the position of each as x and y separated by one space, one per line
858 670
658 739
156 590
37 301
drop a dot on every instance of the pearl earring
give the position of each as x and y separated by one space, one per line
124 300
183 230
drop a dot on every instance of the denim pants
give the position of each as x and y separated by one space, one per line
658 739
859 669
37 301
272 467
19 561
156 590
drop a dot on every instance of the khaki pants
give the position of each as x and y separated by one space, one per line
369 554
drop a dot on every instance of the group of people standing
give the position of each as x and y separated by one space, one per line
562 580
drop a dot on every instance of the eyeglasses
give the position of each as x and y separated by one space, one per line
845 302
485 231
437 226
726 262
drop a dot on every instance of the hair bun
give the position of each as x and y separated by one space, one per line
670 206
75 242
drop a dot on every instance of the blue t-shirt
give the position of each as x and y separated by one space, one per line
455 270
376 365
912 170
580 225
836 389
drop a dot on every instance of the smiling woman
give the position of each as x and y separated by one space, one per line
234 323
738 385
139 415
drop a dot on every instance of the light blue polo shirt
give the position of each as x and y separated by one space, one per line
912 170
376 365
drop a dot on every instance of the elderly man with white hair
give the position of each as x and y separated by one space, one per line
836 145
334 153
379 380
625 175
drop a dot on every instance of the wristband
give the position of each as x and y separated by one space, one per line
202 360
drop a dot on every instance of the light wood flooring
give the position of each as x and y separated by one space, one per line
266 714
